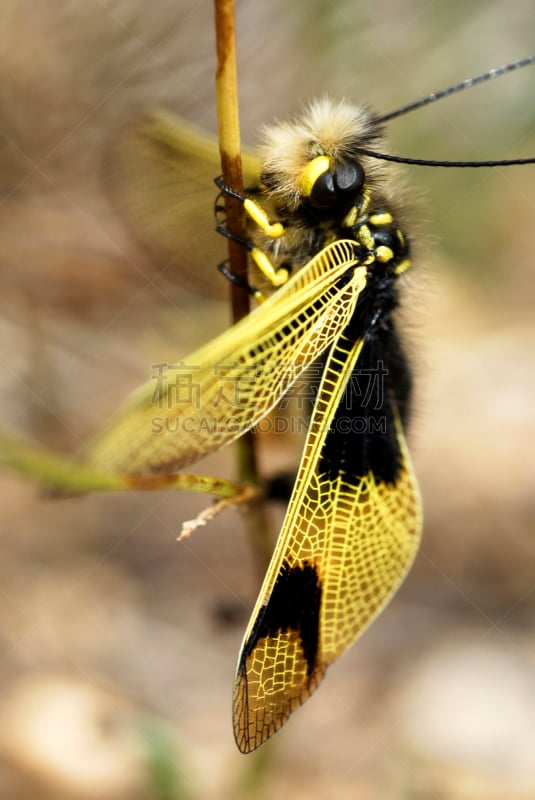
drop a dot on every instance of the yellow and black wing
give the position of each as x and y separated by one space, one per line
159 173
350 534
223 389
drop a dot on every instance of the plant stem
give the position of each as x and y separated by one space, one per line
231 167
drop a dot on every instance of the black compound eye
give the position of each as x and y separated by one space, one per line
323 194
334 188
348 178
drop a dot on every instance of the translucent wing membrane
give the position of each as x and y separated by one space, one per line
226 387
353 523
159 173
349 537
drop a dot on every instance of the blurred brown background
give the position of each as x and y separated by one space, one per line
118 644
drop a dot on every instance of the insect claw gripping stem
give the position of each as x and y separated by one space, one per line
253 210
223 268
236 281
220 228
228 274
277 277
226 189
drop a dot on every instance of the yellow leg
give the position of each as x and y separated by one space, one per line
276 276
259 216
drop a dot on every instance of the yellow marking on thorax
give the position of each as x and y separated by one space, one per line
366 199
350 218
357 210
365 237
403 266
384 254
384 218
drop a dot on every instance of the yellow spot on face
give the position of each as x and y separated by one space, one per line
381 219
313 170
400 237
384 254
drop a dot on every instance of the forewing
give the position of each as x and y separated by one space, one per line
159 172
349 537
226 387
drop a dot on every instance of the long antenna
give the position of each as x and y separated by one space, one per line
459 87
422 162
433 97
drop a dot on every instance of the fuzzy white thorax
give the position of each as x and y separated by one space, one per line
327 127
